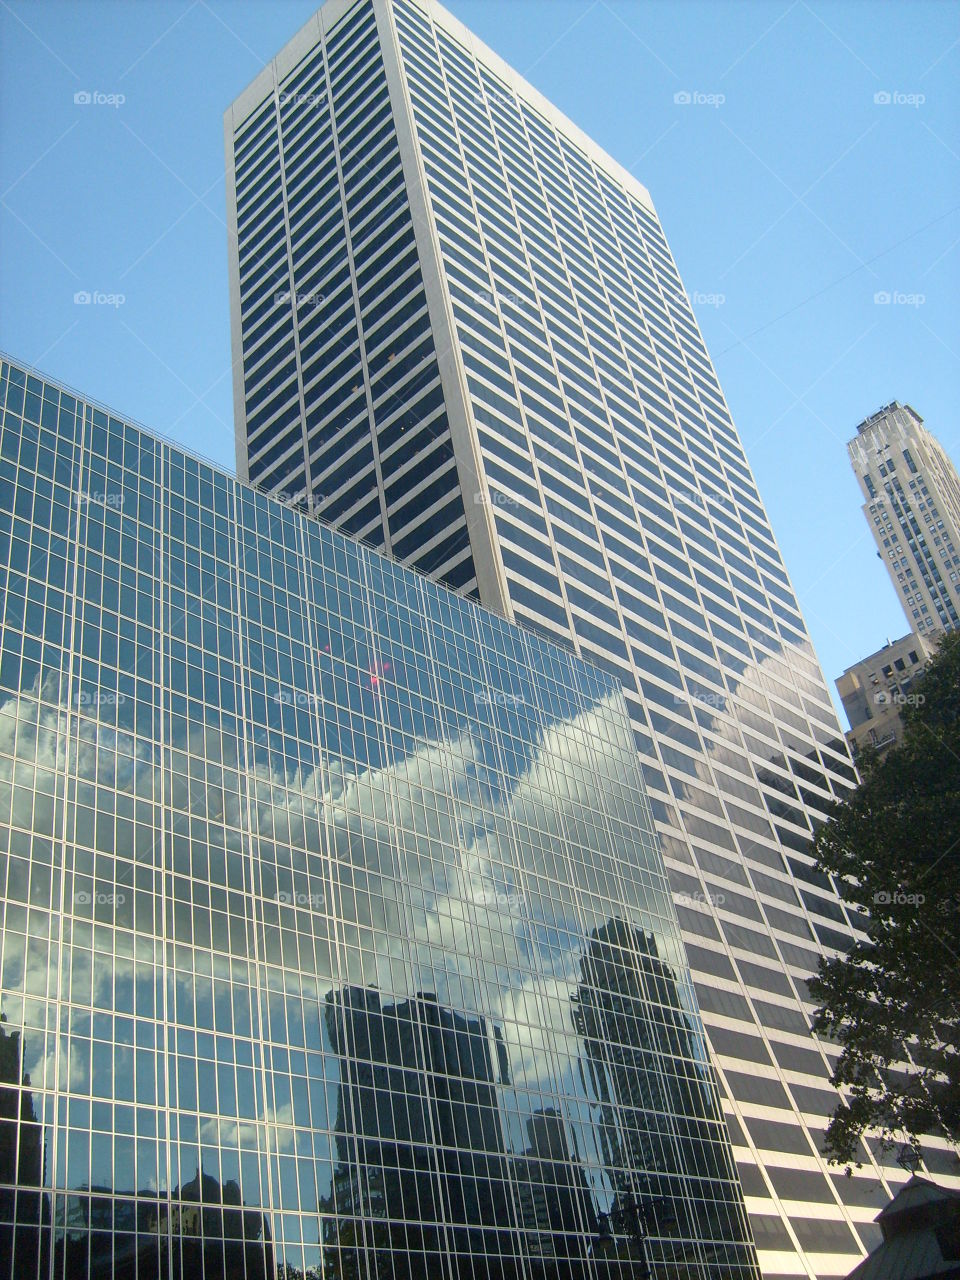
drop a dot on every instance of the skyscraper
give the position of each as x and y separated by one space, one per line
304 866
459 332
911 501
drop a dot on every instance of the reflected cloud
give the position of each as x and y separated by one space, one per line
520 977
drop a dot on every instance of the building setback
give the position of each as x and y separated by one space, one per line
459 333
336 940
911 494
875 690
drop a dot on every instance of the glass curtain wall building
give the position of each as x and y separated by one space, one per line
335 940
458 330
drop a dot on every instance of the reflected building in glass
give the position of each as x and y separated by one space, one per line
335 939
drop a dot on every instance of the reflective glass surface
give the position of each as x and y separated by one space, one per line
334 936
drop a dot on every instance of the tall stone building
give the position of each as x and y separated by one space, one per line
911 494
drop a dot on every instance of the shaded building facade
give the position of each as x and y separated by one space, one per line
875 690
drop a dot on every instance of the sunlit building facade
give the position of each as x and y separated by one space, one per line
459 332
911 501
335 939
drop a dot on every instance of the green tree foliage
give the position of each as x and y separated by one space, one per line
892 1003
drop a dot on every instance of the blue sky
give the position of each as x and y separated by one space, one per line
789 194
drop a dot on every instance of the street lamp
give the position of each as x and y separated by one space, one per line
635 1221
909 1157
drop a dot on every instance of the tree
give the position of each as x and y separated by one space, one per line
892 1002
